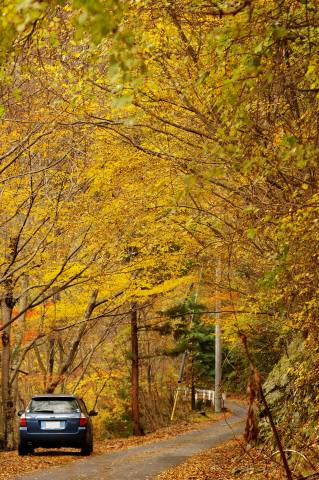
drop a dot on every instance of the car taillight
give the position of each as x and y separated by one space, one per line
83 420
23 421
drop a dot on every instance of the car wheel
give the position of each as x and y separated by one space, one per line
87 448
24 449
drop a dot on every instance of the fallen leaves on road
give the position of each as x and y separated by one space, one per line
197 421
11 465
229 461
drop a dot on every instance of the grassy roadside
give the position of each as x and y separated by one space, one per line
11 465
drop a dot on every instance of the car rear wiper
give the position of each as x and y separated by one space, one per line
43 411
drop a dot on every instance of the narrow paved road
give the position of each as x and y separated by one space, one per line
146 461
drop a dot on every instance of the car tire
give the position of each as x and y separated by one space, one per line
24 449
87 449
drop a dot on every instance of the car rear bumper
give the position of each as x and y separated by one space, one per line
53 439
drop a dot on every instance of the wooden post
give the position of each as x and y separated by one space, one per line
193 388
180 379
218 342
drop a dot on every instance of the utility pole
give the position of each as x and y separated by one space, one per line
218 342
137 430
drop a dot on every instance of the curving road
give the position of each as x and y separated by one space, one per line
146 461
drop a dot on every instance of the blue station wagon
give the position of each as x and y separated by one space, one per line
54 421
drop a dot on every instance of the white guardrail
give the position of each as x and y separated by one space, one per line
200 394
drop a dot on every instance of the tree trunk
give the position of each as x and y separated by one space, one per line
137 430
75 345
51 348
257 386
8 412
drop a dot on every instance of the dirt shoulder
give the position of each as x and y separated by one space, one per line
11 465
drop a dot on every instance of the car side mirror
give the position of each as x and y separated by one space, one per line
93 413
20 412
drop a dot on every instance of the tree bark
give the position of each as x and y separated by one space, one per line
137 430
51 348
7 304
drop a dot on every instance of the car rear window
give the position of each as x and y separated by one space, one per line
54 405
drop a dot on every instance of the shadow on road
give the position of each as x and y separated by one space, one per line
56 453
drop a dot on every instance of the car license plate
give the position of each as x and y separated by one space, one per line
52 425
